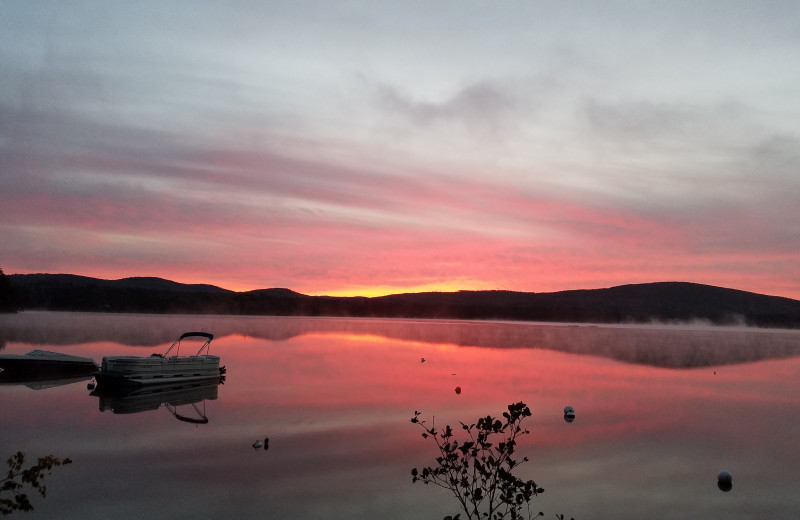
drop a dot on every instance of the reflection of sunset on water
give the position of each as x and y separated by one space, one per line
335 398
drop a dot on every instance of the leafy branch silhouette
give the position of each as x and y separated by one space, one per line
32 476
479 471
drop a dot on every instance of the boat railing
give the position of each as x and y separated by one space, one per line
177 343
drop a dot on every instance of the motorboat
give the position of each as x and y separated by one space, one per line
43 365
161 369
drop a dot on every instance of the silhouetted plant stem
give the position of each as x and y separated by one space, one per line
31 476
478 472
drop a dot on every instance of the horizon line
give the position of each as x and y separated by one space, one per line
380 291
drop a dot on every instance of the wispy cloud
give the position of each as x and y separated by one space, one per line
478 106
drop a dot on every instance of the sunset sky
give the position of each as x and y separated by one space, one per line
374 147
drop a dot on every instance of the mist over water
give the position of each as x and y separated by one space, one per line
660 410
675 346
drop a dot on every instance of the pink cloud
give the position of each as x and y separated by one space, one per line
142 203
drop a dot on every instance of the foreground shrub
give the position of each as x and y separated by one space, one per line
12 497
479 470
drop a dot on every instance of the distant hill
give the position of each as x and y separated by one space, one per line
651 302
68 292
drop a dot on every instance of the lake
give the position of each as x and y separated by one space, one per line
660 410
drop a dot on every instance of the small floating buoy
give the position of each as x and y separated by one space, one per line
257 445
724 481
266 443
458 390
90 386
569 414
422 360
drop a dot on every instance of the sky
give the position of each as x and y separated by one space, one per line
375 147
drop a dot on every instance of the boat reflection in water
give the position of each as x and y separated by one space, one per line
147 398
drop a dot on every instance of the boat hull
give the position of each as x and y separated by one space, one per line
40 365
132 371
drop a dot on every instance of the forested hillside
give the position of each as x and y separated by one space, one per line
656 302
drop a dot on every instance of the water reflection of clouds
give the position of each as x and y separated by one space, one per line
620 406
646 441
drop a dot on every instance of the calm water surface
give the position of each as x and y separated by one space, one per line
659 412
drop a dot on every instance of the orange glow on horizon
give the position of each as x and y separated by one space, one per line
372 291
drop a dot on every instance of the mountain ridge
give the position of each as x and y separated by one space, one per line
629 303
